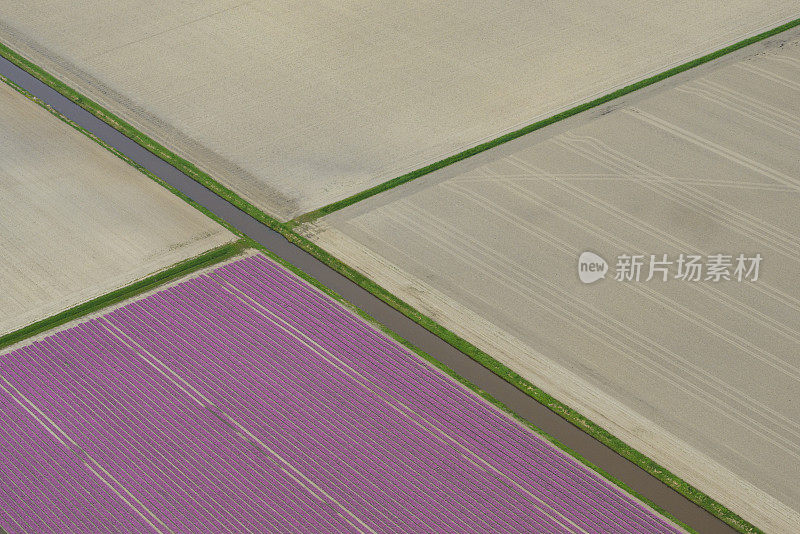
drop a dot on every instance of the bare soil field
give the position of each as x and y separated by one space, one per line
702 377
77 221
295 105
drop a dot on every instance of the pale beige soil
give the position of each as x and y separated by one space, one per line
76 221
702 377
295 105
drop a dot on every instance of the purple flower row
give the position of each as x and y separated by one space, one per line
245 399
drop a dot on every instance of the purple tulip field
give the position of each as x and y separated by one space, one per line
245 400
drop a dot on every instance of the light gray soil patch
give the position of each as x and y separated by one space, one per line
296 105
703 377
77 221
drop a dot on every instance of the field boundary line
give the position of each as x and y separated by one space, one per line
178 270
489 362
132 133
588 426
390 184
287 229
117 153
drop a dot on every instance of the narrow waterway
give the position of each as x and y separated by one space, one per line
574 438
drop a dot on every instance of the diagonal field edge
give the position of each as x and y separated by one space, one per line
117 153
287 230
335 206
177 270
585 424
476 354
467 383
219 255
232 249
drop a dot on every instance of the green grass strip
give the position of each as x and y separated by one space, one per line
286 229
335 206
119 154
232 249
590 427
125 128
178 270
454 375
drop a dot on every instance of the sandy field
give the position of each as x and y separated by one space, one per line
295 105
703 377
77 221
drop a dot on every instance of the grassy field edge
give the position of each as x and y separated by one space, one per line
287 230
178 270
390 184
472 387
119 154
186 167
585 424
